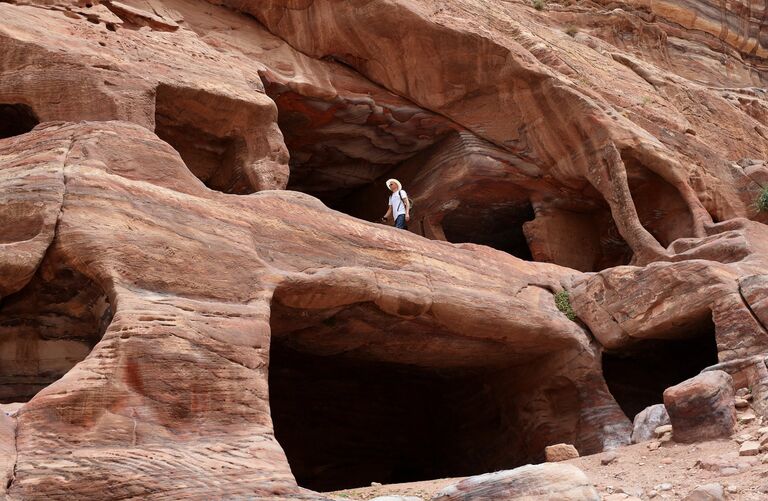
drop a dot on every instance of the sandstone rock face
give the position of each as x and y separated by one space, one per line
702 407
646 422
175 324
158 337
533 482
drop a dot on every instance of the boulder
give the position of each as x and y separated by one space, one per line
646 422
543 482
702 408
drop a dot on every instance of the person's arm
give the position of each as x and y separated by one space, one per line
407 208
389 212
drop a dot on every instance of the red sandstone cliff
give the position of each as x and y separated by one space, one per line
195 304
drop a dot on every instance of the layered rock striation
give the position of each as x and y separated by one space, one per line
177 324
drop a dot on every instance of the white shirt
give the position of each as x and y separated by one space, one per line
397 205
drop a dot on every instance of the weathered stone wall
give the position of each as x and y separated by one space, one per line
147 234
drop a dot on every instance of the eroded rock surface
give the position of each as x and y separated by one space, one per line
534 482
165 384
169 334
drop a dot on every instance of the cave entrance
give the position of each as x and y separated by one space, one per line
359 396
16 119
46 328
638 375
496 225
212 153
345 423
343 147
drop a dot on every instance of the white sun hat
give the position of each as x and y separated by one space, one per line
399 186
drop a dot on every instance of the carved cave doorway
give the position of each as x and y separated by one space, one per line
638 375
498 227
358 396
47 327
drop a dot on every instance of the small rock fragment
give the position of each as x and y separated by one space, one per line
666 460
741 403
746 417
560 452
749 448
707 492
661 430
608 458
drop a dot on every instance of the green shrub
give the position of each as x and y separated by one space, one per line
571 31
761 204
563 303
538 4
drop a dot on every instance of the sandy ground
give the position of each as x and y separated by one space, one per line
639 471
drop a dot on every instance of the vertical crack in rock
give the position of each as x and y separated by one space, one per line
749 308
12 478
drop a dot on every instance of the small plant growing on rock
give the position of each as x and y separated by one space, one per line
761 203
563 303
571 31
538 4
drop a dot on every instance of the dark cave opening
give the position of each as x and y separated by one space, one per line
46 328
342 148
500 227
638 375
214 157
345 423
16 119
359 396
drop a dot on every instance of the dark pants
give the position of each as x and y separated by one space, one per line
400 222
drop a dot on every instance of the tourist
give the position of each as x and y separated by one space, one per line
399 205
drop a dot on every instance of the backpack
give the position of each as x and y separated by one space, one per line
410 200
